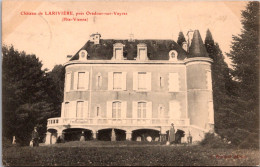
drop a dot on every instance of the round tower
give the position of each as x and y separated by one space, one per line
199 89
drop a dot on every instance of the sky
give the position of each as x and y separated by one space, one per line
52 39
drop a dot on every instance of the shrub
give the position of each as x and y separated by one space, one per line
214 141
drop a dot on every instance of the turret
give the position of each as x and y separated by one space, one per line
199 86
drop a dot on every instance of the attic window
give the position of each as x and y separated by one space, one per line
142 52
118 51
173 55
83 55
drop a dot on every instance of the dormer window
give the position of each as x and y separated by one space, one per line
118 51
83 55
142 52
185 46
173 55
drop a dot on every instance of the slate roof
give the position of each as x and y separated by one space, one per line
156 49
197 48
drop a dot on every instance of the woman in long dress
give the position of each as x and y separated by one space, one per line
172 134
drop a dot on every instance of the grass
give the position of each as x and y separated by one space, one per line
100 153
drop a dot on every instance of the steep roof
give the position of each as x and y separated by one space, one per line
197 48
156 49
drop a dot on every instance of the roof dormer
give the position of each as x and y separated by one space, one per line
83 55
118 51
173 55
142 51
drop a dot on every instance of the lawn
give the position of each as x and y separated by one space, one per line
97 153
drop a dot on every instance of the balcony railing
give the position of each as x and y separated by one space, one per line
116 121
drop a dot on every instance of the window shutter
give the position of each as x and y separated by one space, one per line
86 80
109 109
73 109
123 80
63 109
148 80
135 80
149 112
75 81
124 109
173 82
175 112
68 82
211 112
209 81
110 81
85 110
134 110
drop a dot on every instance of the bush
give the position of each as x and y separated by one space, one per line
214 141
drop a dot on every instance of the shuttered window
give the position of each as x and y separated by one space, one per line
79 112
117 81
68 82
141 111
173 82
209 80
141 81
175 112
116 109
81 80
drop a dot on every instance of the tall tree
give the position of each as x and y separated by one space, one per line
245 58
24 102
181 38
222 85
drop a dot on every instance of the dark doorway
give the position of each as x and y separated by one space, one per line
105 134
144 133
74 134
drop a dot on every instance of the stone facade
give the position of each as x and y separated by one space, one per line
139 93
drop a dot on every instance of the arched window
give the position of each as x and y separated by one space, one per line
116 109
141 110
173 55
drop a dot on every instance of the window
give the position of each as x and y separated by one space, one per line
81 80
141 81
161 82
117 84
175 110
117 81
209 81
98 80
66 109
118 51
98 111
173 82
142 51
79 112
116 110
173 55
83 55
161 111
141 110
68 82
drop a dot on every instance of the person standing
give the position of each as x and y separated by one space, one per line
172 134
35 137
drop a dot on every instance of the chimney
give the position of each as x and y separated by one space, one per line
190 36
131 38
69 57
95 38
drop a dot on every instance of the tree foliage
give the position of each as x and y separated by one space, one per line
245 58
181 38
28 95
